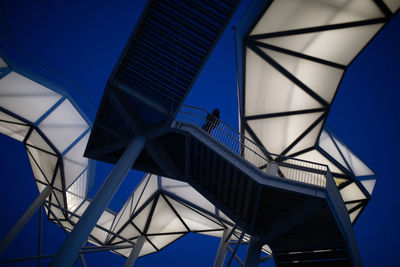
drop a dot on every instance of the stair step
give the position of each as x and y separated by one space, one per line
194 160
246 199
240 192
332 263
213 178
233 189
207 172
226 190
221 179
313 257
201 157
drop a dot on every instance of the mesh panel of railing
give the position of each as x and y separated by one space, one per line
272 164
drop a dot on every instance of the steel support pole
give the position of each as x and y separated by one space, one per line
272 168
83 260
24 219
69 250
238 242
135 251
253 252
221 254
40 233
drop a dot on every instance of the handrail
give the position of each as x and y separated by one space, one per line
270 163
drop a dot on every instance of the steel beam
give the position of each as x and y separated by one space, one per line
235 249
239 260
221 254
83 260
135 251
69 250
5 242
253 252
339 211
40 233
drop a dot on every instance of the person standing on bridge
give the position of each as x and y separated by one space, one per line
212 121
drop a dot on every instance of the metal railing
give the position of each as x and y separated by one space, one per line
271 164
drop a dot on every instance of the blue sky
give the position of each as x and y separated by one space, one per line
81 42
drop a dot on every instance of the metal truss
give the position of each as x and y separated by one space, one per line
259 44
231 240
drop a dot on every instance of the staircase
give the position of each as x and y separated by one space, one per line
293 205
218 178
326 257
302 227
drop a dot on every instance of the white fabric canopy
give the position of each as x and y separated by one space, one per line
295 56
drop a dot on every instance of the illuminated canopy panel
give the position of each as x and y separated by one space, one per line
293 56
53 131
163 210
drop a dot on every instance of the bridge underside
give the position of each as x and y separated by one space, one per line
159 65
143 95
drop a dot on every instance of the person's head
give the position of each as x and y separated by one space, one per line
215 112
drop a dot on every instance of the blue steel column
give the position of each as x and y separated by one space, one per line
135 251
221 254
253 252
25 218
69 250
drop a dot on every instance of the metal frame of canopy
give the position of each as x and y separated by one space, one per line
284 59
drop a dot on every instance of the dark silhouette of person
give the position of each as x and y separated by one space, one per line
212 121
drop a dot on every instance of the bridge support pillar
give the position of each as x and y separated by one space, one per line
25 218
69 250
221 254
253 252
135 251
